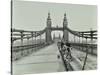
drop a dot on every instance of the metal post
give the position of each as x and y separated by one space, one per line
74 39
35 41
79 39
32 40
85 56
40 39
11 34
27 41
86 43
79 42
12 42
82 41
91 34
11 46
21 43
63 33
27 44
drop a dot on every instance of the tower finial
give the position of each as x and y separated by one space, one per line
49 16
64 14
48 13
65 17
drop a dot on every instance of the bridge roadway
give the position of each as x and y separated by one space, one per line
42 61
45 61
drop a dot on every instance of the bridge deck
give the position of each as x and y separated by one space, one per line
42 61
45 61
91 63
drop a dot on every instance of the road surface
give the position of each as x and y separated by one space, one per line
45 61
42 61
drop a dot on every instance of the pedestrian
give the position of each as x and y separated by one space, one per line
68 51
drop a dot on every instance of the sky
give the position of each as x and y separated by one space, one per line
30 15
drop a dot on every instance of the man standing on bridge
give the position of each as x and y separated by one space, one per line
68 51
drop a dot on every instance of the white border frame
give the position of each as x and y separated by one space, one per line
5 35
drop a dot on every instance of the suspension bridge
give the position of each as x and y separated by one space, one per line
41 57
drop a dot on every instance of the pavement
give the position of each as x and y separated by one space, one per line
91 63
42 61
45 61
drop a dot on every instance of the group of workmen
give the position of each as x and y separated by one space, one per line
65 48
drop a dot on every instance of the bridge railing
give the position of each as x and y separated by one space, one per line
20 51
92 48
18 48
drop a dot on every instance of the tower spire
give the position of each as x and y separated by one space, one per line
49 16
65 17
65 14
65 21
48 29
65 31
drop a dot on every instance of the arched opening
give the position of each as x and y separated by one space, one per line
56 35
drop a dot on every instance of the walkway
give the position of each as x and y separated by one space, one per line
91 63
43 61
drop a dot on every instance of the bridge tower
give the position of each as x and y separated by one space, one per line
65 31
48 30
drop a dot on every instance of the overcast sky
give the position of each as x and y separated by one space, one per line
30 15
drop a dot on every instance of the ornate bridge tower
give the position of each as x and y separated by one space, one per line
65 31
48 30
